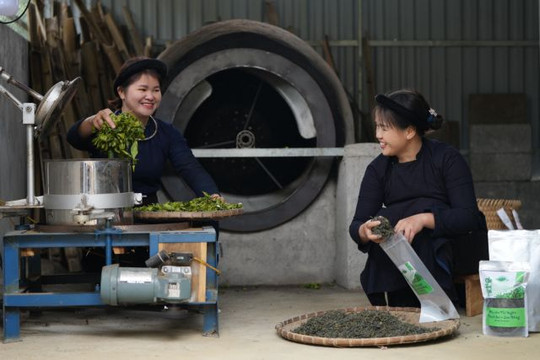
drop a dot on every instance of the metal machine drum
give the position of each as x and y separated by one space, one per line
241 84
88 191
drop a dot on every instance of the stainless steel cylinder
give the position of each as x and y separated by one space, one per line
88 191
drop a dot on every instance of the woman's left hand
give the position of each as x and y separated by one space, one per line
217 196
412 225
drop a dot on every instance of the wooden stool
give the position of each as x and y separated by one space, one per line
474 301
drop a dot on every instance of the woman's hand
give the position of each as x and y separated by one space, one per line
95 122
217 196
366 234
412 225
101 117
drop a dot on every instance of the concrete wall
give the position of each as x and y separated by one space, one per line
349 260
297 252
501 152
500 159
14 60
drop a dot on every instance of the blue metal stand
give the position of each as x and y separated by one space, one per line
14 298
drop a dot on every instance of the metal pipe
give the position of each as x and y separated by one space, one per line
10 96
28 119
11 80
30 193
360 71
452 43
430 43
268 152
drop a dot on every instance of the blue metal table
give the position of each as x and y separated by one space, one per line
14 299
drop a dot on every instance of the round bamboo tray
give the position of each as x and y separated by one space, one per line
410 315
185 215
490 206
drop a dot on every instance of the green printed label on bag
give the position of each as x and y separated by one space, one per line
505 317
417 281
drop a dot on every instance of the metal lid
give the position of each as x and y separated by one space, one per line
52 105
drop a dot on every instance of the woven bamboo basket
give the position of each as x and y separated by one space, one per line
411 315
490 206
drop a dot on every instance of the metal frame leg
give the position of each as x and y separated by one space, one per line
12 315
211 311
211 323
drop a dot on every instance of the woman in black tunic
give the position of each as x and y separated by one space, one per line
425 189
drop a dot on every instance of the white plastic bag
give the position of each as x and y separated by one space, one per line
524 246
435 305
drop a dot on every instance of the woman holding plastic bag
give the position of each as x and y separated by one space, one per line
425 189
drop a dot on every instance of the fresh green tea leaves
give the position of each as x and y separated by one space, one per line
203 203
121 142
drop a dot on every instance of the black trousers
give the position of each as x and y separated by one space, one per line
399 298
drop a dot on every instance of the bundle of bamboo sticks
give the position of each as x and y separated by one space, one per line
58 52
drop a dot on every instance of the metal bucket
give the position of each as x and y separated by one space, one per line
88 191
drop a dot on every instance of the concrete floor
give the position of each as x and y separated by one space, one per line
247 320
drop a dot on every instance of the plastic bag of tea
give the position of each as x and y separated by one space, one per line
435 305
521 245
504 286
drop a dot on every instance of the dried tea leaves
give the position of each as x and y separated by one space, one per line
503 287
359 325
385 229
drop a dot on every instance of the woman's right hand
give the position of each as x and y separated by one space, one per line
101 117
95 122
366 234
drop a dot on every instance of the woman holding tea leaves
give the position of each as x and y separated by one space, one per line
425 189
138 92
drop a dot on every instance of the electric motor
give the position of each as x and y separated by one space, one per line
131 285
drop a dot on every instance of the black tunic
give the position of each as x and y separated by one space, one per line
438 181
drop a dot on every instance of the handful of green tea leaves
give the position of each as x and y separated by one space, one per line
384 229
122 141
203 203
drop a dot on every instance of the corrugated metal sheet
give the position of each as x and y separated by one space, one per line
466 55
312 20
453 48
167 20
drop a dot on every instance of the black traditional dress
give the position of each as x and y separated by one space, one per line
438 181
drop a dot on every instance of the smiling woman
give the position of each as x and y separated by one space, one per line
425 189
138 91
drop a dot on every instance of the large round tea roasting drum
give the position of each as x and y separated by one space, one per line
88 191
245 84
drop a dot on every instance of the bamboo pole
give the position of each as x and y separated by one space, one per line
134 34
90 74
110 50
148 47
116 36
